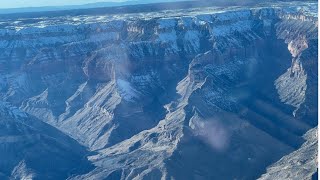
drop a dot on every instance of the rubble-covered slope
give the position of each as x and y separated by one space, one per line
301 164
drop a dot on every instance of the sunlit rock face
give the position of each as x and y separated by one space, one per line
186 94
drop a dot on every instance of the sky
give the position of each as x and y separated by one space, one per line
39 3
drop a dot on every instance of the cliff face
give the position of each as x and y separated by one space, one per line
172 93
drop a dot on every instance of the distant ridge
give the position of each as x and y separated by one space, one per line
84 6
133 6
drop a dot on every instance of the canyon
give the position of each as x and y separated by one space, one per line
197 93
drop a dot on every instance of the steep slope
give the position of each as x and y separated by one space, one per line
32 150
301 164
